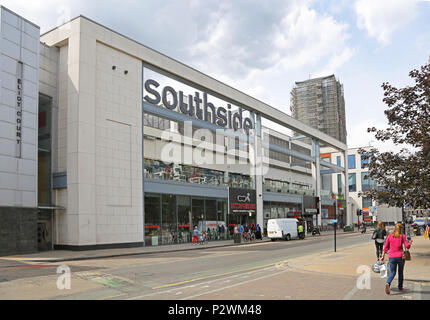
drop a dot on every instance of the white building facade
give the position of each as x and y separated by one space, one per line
95 183
358 181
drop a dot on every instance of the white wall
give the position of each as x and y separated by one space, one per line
18 175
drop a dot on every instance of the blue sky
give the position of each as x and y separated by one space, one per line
263 47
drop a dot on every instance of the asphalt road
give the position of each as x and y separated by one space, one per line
158 276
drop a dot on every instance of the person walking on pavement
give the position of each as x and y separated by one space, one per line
258 232
241 230
394 245
428 230
195 235
379 236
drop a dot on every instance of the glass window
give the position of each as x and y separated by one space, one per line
152 219
273 211
222 219
352 182
365 162
198 213
338 161
367 202
211 218
339 184
44 152
367 183
351 161
168 218
184 219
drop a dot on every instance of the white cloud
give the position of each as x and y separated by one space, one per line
359 137
300 36
306 37
47 13
262 52
382 18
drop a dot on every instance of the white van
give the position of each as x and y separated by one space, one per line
282 229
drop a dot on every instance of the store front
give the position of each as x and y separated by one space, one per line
170 219
277 210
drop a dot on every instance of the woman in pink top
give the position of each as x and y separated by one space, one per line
394 246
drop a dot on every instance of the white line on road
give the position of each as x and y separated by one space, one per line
233 285
202 283
351 293
418 289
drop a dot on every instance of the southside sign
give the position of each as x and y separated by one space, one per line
198 107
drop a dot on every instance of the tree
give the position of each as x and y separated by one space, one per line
404 177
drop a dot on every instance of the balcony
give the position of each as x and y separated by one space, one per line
157 170
286 187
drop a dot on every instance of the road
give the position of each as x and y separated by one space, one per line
251 272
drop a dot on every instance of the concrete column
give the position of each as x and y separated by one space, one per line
348 211
258 169
316 174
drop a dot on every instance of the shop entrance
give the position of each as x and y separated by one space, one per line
44 230
243 219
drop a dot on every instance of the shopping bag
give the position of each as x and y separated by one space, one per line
383 270
425 235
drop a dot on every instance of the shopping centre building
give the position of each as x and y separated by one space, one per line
76 174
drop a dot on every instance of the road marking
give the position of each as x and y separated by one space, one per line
351 293
214 275
111 297
234 285
194 285
418 290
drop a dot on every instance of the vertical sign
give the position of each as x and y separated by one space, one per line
19 109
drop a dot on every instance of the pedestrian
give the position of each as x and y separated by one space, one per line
301 231
394 245
379 236
258 232
195 235
428 230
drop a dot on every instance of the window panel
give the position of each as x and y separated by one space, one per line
351 161
352 182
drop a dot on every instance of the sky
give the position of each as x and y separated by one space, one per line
263 47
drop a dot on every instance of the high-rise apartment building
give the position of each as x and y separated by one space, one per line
320 104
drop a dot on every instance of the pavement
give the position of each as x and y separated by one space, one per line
349 266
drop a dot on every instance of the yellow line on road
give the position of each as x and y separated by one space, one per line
217 275
111 297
